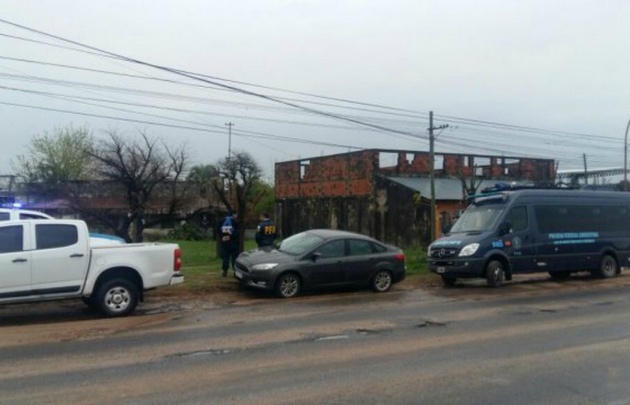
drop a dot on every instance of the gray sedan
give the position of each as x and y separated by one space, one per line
322 258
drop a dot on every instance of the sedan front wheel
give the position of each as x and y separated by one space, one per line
288 285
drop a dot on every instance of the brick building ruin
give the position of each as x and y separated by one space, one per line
385 193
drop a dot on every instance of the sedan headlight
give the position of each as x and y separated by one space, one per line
264 266
469 250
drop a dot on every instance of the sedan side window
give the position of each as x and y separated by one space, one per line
11 239
332 249
360 247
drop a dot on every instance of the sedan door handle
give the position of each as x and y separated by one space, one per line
77 255
19 260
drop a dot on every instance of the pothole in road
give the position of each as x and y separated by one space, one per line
369 331
428 322
332 337
210 352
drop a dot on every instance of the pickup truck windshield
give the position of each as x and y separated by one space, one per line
478 218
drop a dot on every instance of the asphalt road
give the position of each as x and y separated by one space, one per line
531 342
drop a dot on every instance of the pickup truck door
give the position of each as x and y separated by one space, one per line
60 258
15 262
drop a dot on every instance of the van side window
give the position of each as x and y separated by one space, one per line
518 218
582 218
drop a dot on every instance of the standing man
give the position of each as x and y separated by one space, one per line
266 232
228 232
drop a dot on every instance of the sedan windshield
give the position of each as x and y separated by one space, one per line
478 218
300 243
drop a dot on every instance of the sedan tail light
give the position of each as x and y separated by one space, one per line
399 257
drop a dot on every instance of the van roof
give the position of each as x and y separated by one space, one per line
513 195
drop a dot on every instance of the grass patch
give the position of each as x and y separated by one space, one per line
202 266
416 261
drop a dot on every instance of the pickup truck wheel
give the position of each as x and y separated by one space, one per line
288 285
382 281
495 274
117 297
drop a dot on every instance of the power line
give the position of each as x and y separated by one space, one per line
178 82
181 110
238 133
196 77
199 76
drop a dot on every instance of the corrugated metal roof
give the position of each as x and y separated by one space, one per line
445 189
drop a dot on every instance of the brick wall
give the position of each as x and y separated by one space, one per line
329 176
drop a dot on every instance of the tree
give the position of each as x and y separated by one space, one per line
54 160
262 197
202 178
143 168
237 176
469 185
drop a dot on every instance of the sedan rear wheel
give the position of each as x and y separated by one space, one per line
288 285
382 281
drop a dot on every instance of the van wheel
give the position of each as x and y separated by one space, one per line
448 281
495 274
608 267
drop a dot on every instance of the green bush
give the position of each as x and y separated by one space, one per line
187 232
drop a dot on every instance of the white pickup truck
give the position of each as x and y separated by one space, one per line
47 260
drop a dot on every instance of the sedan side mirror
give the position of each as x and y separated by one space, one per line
315 256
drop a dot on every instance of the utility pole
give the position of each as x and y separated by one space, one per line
432 169
585 169
229 125
625 159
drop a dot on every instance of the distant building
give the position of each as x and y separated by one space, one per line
386 193
7 190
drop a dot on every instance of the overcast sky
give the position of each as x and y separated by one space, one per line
559 66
